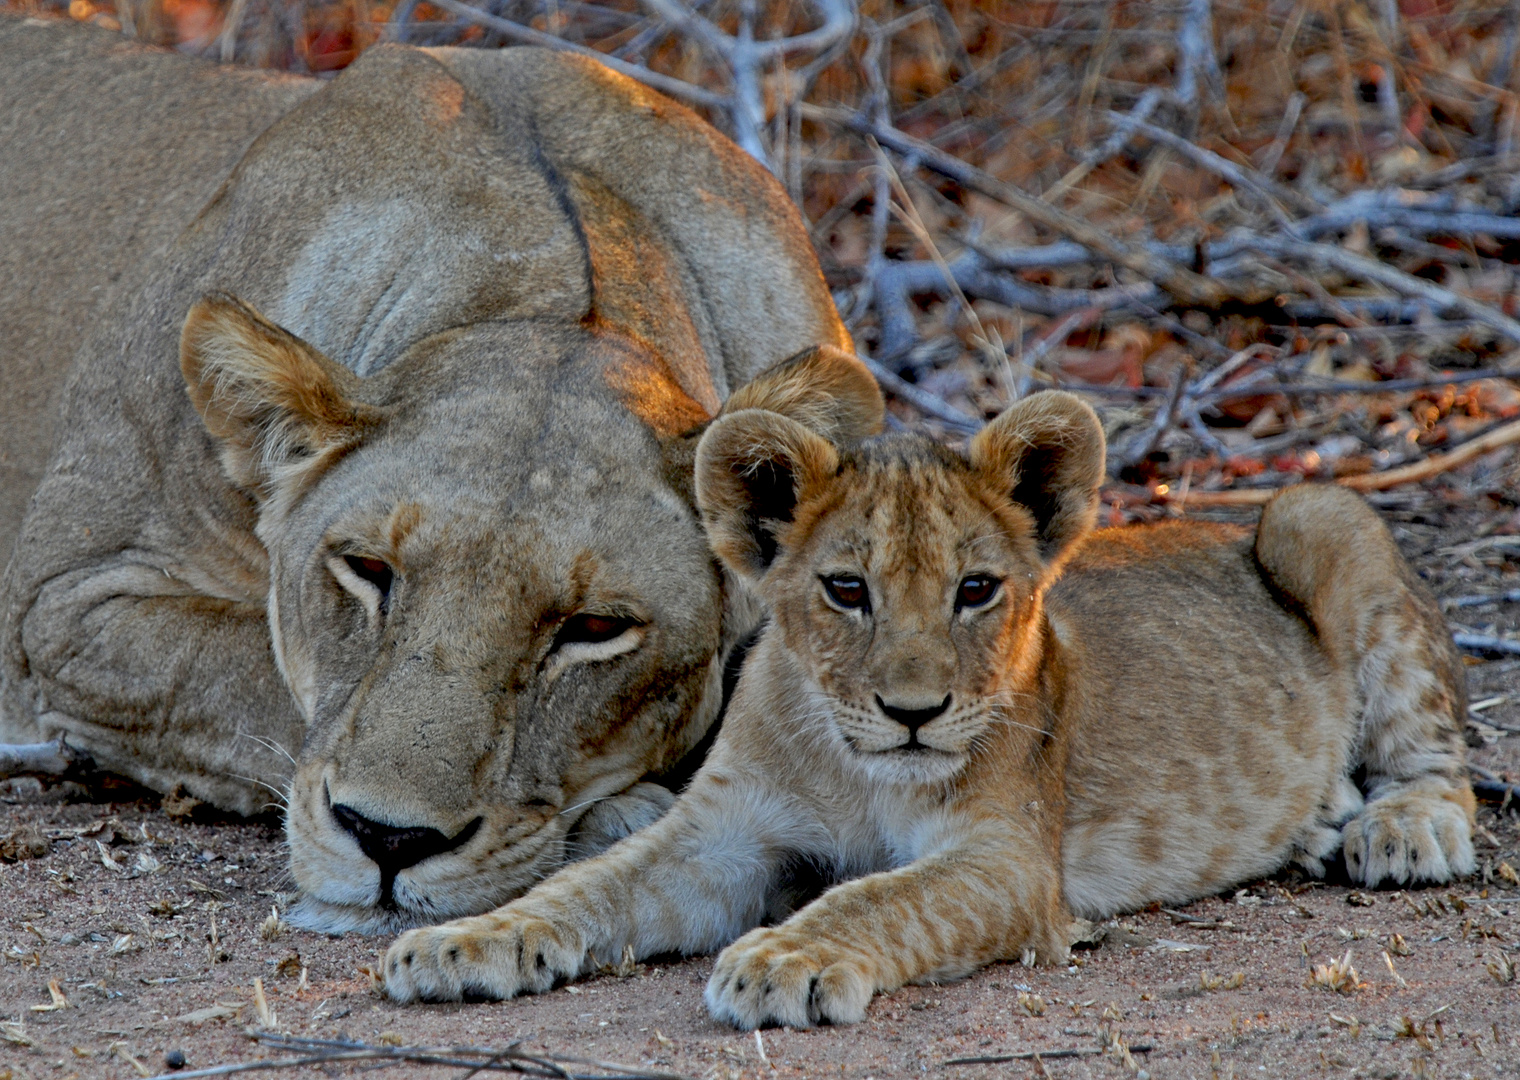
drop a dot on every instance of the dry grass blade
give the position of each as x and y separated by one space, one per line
1338 976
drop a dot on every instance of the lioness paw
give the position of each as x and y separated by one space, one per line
775 976
1415 836
492 957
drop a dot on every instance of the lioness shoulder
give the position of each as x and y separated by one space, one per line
976 716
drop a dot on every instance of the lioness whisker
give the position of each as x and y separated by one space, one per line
283 796
268 744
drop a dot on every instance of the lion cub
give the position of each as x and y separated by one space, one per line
977 717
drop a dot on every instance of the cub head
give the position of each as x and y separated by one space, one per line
489 591
906 580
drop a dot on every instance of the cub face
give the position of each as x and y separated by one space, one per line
905 579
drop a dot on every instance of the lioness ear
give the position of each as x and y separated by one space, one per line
753 467
823 388
273 400
1046 452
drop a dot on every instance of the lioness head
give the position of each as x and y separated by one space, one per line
482 646
906 580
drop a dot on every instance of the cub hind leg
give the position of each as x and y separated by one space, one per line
1330 554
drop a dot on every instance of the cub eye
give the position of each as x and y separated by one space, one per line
847 592
374 571
975 591
593 629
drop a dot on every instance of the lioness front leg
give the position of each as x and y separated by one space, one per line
691 882
160 683
1327 549
940 917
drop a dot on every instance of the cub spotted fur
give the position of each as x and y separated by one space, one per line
977 719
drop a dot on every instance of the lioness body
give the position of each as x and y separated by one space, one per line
484 301
981 719
107 151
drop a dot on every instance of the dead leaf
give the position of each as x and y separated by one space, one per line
180 805
27 842
106 858
1209 982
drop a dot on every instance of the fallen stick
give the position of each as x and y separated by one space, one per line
52 760
1381 481
1044 1055
508 1059
1486 643
1348 262
1511 597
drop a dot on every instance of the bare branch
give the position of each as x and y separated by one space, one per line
746 58
1238 175
50 760
526 35
1180 282
1361 266
922 400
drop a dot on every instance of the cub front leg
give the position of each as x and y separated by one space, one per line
691 882
938 918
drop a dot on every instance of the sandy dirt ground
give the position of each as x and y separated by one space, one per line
117 914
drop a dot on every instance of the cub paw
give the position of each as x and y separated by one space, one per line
1415 836
776 977
494 956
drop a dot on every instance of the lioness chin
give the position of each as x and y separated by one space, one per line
977 717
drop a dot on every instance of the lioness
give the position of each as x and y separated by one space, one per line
982 717
371 483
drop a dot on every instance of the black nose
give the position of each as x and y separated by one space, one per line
393 848
913 719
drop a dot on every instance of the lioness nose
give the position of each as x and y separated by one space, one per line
394 848
913 719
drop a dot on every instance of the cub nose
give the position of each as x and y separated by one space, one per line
913 719
394 848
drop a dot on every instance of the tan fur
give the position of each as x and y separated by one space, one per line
461 312
1138 715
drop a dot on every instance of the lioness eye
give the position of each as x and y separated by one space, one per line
374 571
975 591
592 629
847 592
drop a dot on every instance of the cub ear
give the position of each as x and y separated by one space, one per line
753 468
823 388
1046 453
275 402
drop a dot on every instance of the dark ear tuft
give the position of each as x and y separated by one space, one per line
824 389
1046 452
753 468
272 400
